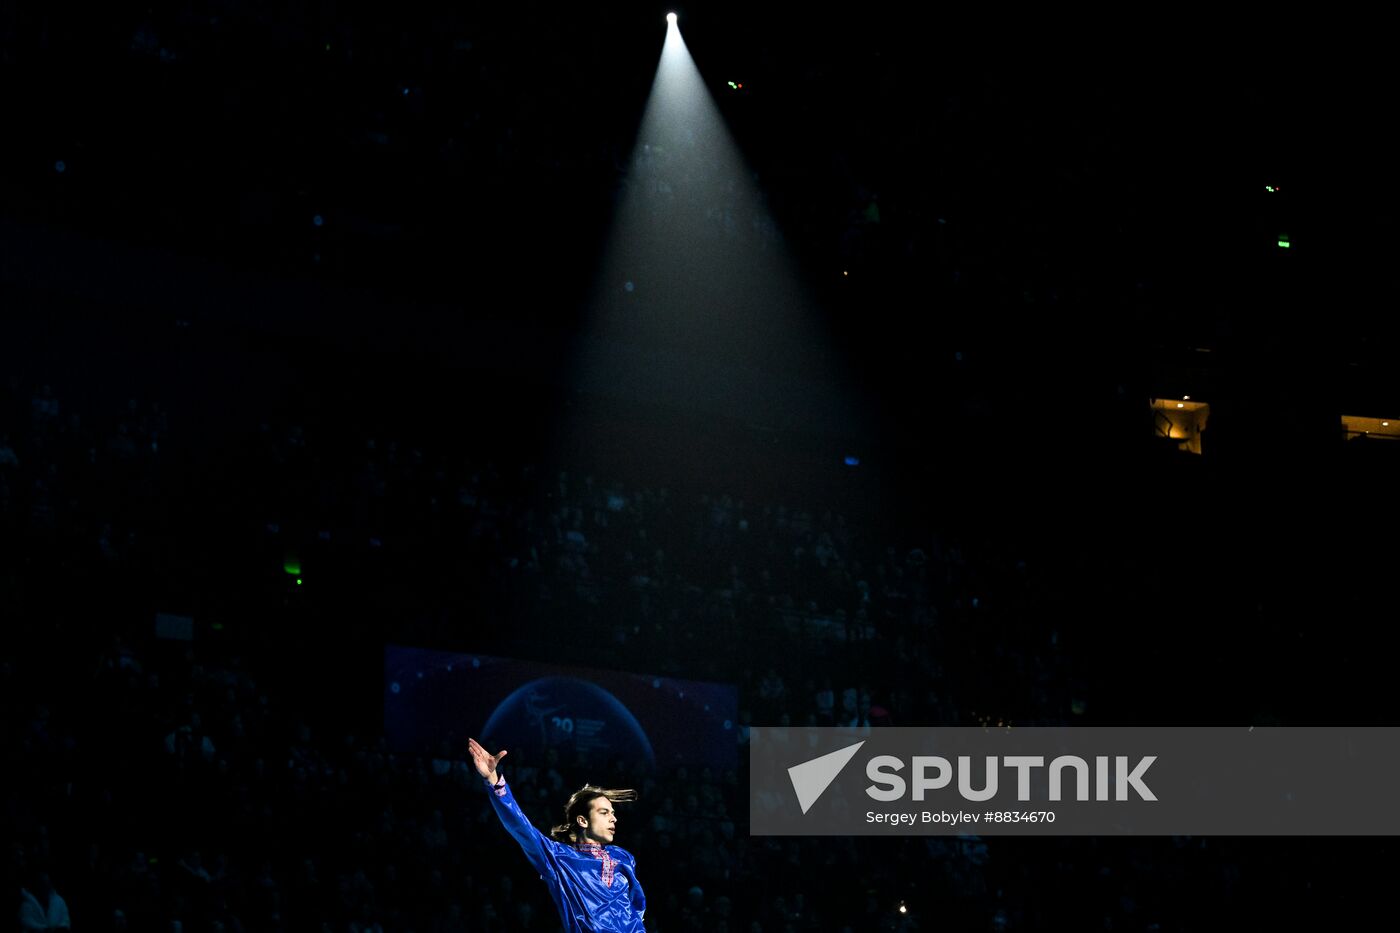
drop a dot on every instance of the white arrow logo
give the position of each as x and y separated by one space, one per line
813 777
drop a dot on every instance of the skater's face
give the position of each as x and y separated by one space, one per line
601 825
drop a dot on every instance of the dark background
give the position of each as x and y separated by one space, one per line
1069 218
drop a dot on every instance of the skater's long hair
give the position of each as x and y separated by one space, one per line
579 806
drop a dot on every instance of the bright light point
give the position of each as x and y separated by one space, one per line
852 461
733 85
298 581
903 909
1180 404
844 272
1187 397
671 18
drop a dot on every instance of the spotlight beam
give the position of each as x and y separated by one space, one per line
697 293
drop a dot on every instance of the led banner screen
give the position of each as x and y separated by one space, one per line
588 716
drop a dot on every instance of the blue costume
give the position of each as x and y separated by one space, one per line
594 887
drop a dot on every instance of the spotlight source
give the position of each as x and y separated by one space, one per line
671 18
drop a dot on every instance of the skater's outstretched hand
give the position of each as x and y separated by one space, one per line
485 762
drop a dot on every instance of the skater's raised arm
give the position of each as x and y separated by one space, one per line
536 845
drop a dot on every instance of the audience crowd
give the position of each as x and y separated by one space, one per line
193 779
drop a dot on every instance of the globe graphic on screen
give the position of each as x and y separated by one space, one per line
572 716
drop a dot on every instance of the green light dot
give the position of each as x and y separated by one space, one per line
298 581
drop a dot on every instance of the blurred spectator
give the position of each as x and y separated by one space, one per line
42 908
